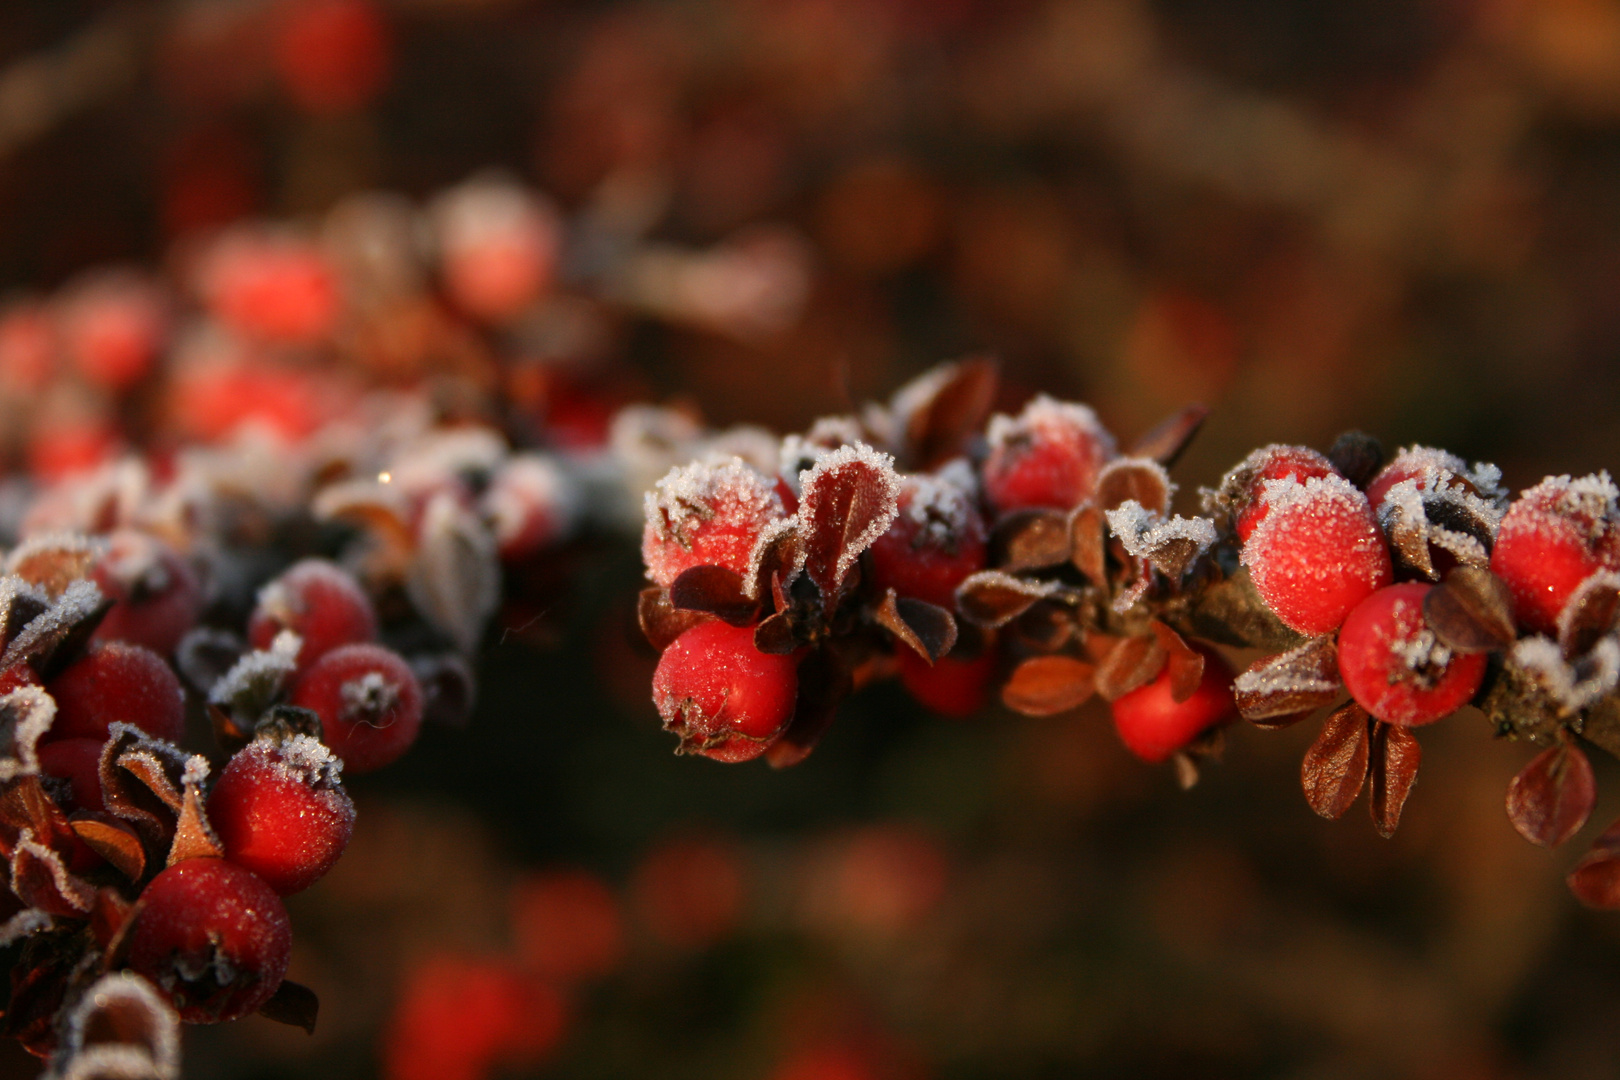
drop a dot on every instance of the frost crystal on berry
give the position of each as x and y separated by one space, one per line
705 514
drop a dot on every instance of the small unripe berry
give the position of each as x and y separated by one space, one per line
369 702
1316 553
937 539
706 514
156 594
950 687
117 681
722 696
1395 667
280 810
1153 725
213 937
1048 456
1553 537
319 602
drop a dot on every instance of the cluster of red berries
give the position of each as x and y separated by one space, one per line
1039 556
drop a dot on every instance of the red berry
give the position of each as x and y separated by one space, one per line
369 702
1245 484
723 697
78 761
467 1018
332 55
1431 470
319 602
937 539
1396 668
112 326
280 810
498 247
1553 537
950 687
1316 553
27 347
1153 725
566 926
156 595
1048 456
273 287
213 937
117 681
706 514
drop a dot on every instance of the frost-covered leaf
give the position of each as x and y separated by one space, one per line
1165 441
454 580
194 837
991 598
206 654
1573 685
1170 545
1392 769
1552 797
26 714
1471 611
1030 540
1303 678
60 630
717 590
850 497
120 1028
20 602
143 780
776 556
1335 766
55 560
928 630
1590 614
942 408
1048 685
42 881
257 680
1134 479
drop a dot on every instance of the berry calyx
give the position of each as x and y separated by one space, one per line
1316 553
937 539
1553 537
724 698
213 937
318 601
369 702
1395 667
1046 457
705 514
1153 725
117 681
279 810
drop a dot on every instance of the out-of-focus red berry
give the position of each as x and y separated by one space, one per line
566 926
886 879
1153 725
272 287
1316 553
27 347
1396 668
115 680
369 702
937 539
60 447
951 686
463 1017
156 595
498 247
320 602
333 56
689 891
1048 456
723 697
280 810
78 761
213 937
706 514
112 326
211 401
1553 537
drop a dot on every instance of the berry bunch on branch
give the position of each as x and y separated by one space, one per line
967 553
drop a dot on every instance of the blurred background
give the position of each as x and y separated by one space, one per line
1393 215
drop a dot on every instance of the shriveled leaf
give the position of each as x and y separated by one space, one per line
1088 542
1552 797
1165 441
20 603
26 714
776 557
952 402
1297 681
60 631
1471 611
205 654
1030 540
1133 479
1358 456
294 1004
1185 664
1392 769
850 497
1590 613
379 509
929 631
1048 627
113 841
1595 881
1132 662
454 578
991 598
110 922
120 1028
717 590
24 804
41 880
825 680
1335 766
661 622
1048 685
194 837
142 781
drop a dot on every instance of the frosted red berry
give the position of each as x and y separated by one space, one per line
78 761
1430 469
951 686
318 601
213 937
722 696
1048 456
273 287
156 595
1395 667
115 680
1245 484
369 702
280 810
1553 537
1153 725
498 247
111 326
937 539
706 514
1317 552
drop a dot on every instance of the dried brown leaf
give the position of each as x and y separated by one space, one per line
294 1004
41 880
1552 797
1590 614
1393 770
1048 685
849 498
717 590
1232 613
1358 457
1186 664
1133 479
661 622
991 598
1165 441
1135 661
1335 767
961 398
1030 540
825 680
1471 611
113 841
929 631
1595 881
454 577
1302 679
1088 542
